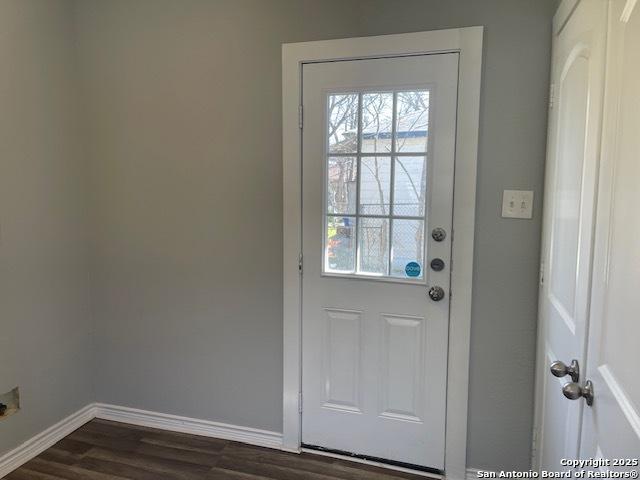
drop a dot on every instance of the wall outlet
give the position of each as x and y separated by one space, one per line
517 204
10 402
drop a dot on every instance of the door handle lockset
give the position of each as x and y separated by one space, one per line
574 391
436 293
559 369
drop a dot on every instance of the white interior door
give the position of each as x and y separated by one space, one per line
378 158
612 424
570 194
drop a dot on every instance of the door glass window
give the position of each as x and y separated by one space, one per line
341 186
376 184
377 122
343 123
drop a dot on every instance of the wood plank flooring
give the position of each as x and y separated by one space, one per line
102 450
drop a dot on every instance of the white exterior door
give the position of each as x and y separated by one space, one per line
611 428
378 162
570 202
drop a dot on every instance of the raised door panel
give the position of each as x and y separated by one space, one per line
342 363
402 372
564 258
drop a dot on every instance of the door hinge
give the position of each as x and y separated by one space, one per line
300 402
552 95
542 273
300 116
300 263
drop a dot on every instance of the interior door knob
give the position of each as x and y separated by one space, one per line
559 369
574 391
436 293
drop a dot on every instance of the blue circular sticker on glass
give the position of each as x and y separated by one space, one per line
412 269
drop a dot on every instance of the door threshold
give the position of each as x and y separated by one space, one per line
374 461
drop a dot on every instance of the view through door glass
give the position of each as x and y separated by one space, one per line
376 183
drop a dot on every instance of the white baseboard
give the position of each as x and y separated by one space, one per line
174 423
38 444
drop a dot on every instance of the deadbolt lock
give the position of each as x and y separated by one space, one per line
437 264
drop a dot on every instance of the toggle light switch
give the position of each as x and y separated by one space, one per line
517 204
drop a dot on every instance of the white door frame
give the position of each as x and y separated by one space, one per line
468 43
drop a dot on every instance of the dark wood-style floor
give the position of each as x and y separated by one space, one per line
102 450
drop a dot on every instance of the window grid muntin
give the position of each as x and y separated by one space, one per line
394 117
393 154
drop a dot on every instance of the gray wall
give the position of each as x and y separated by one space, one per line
45 326
183 98
512 151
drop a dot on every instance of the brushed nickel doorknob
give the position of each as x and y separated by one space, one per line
574 391
436 293
559 369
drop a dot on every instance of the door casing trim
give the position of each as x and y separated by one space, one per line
468 42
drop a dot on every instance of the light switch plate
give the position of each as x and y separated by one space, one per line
517 204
